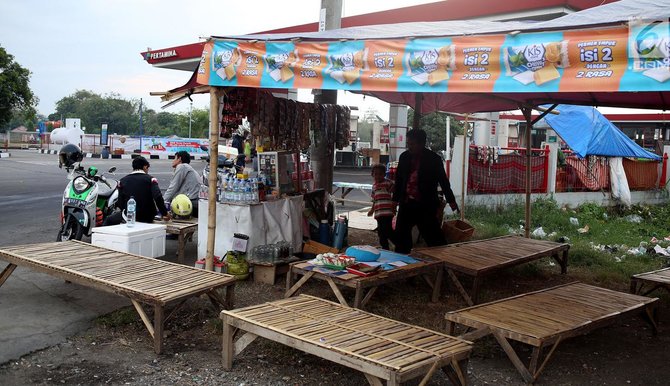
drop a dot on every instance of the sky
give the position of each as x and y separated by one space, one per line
95 45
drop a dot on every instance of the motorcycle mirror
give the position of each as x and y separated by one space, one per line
204 148
112 169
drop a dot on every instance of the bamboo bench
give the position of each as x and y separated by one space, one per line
141 279
656 279
547 317
481 258
380 348
184 231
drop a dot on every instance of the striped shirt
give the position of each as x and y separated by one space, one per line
382 198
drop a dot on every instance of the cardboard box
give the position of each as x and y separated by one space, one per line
142 239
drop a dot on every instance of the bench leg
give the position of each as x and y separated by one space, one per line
180 248
6 272
457 372
338 293
368 296
512 355
296 286
529 374
476 284
158 329
230 297
634 286
459 287
228 332
372 380
562 261
429 374
650 315
438 285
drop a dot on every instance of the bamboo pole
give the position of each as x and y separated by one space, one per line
214 94
463 179
418 108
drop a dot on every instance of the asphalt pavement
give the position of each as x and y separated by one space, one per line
38 310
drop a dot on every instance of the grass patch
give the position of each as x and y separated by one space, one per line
600 255
122 317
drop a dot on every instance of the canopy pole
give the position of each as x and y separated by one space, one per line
529 128
418 101
214 104
466 127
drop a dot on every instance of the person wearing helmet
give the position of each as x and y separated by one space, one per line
185 180
68 155
144 189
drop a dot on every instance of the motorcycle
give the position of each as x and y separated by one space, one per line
88 199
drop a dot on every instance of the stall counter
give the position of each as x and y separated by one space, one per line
265 223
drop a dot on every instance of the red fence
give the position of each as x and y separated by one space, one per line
641 175
503 170
592 174
583 175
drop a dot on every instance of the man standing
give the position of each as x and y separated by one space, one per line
144 189
419 172
185 180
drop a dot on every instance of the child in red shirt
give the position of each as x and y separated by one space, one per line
383 206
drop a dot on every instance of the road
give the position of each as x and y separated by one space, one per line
37 310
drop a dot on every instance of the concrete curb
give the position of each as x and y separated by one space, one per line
5 155
124 156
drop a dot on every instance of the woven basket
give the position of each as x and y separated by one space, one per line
456 231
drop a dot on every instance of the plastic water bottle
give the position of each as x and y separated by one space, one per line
249 194
224 190
254 191
237 191
131 208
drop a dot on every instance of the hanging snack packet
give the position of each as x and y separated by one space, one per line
536 62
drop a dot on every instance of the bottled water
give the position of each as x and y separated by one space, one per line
224 190
131 208
249 194
254 191
238 191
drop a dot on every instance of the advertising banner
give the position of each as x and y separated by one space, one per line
632 58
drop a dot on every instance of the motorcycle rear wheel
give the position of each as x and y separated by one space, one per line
71 230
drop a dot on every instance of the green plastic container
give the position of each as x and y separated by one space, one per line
237 265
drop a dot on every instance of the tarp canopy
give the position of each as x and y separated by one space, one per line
612 55
588 132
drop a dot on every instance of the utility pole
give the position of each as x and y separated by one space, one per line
141 128
190 110
322 155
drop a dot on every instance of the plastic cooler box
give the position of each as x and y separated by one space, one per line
142 239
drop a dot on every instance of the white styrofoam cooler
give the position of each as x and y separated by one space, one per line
142 239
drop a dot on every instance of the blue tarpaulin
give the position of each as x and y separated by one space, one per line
588 132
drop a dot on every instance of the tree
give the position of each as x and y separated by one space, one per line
435 125
15 93
121 116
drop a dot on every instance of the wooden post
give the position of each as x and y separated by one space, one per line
214 94
465 159
529 127
418 108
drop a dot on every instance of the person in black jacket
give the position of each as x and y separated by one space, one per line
144 189
419 172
